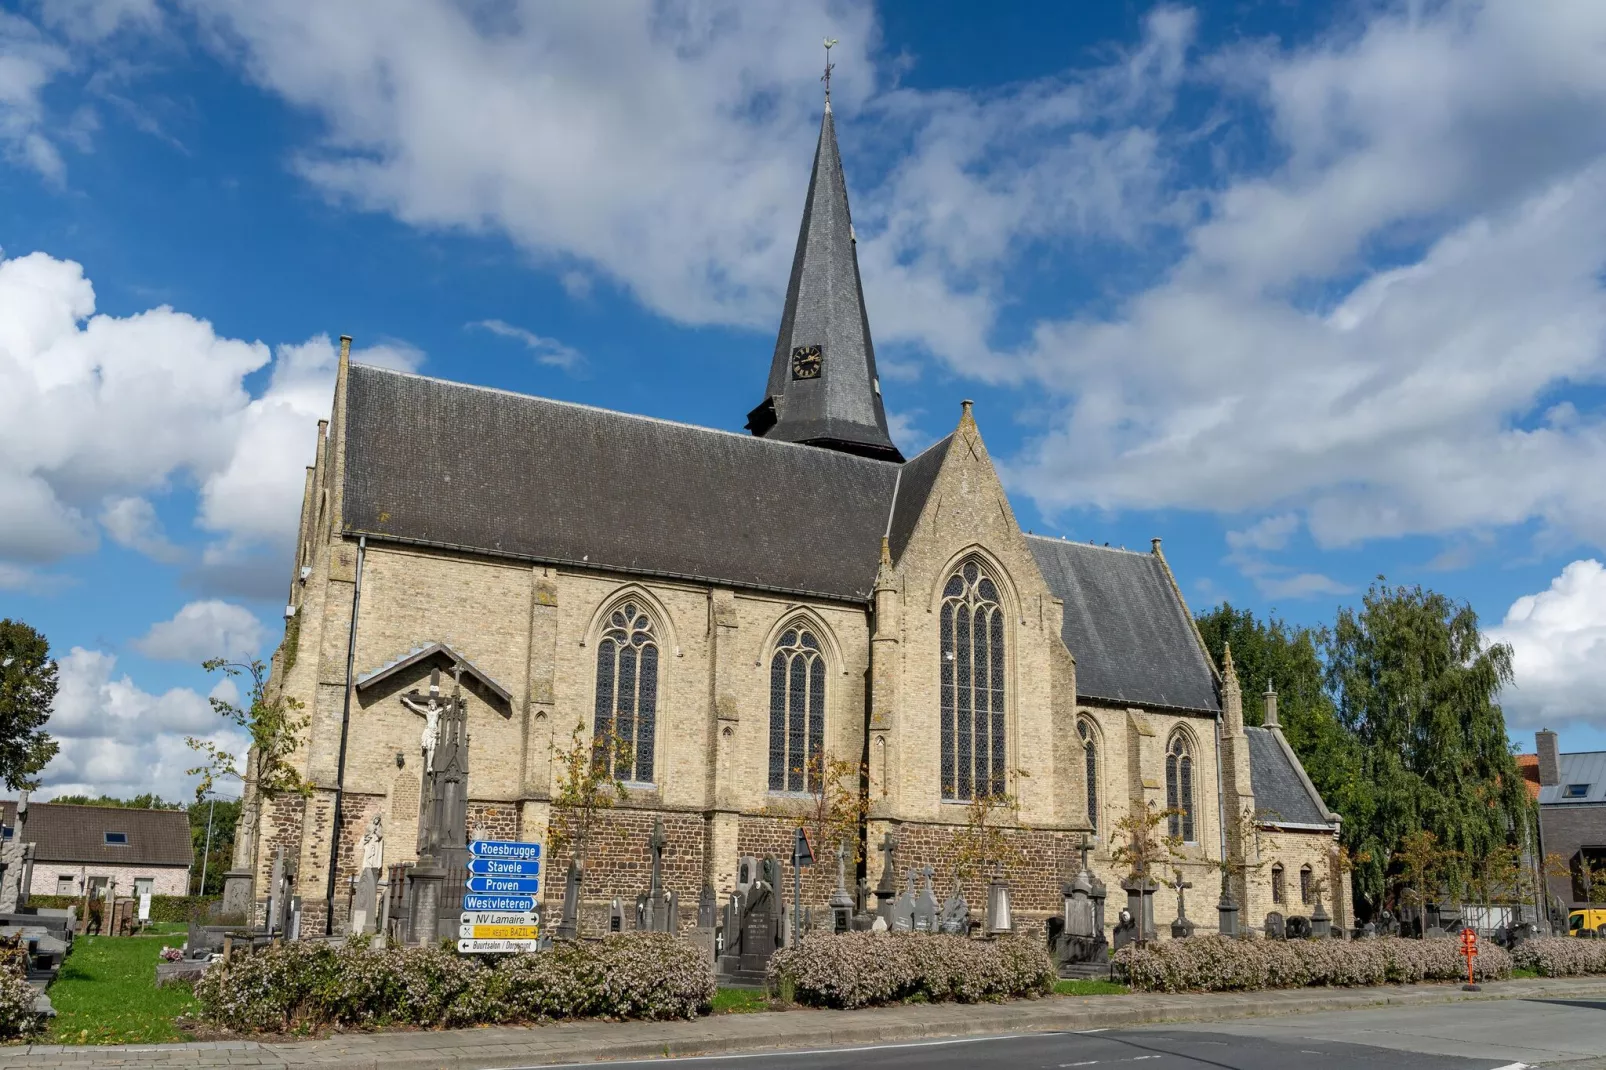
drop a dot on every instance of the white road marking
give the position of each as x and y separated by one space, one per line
1515 1066
661 1061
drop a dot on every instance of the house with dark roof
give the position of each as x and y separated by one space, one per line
1572 821
87 848
736 606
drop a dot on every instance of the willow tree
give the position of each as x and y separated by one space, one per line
1416 685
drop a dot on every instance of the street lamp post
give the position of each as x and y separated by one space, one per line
206 853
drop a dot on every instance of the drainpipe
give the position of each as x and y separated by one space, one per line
1221 798
345 725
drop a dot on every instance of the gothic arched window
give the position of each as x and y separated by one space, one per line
797 711
627 692
1179 787
1304 885
1279 893
973 745
1091 748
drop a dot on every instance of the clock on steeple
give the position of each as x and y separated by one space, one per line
806 362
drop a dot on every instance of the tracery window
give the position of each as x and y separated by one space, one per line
1091 749
797 711
1304 885
627 692
973 744
1279 894
1179 788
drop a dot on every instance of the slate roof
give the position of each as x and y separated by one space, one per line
1581 767
445 464
76 835
1280 793
1132 638
842 407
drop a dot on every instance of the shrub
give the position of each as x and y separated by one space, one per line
17 996
863 969
179 908
1561 956
629 975
1215 964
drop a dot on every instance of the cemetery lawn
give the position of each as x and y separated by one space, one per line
106 993
1089 988
740 1001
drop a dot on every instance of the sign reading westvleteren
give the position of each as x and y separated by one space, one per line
512 849
503 904
504 867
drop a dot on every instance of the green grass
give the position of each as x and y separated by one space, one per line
740 1001
1089 988
106 993
1519 972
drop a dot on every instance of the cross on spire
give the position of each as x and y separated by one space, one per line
829 67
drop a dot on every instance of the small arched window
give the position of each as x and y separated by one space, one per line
1304 885
627 692
1279 894
1179 787
797 711
1090 749
972 676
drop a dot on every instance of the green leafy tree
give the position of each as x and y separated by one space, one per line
146 801
587 784
983 843
274 724
27 689
1416 686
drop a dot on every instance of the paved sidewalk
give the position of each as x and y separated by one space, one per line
582 1042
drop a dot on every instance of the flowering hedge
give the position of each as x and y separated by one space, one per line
1215 964
863 969
1561 956
17 998
629 975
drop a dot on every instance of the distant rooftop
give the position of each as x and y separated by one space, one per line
1583 780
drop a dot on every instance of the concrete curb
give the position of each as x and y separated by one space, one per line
586 1042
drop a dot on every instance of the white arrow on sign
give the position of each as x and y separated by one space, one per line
494 947
488 917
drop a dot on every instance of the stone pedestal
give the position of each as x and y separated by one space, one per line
237 895
428 885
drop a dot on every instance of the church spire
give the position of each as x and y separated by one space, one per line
823 389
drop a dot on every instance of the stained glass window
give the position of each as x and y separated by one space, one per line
1092 751
1179 788
974 750
797 711
627 692
1278 893
1304 885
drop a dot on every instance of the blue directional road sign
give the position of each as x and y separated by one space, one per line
504 849
517 904
505 867
507 885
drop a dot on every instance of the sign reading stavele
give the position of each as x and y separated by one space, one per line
499 912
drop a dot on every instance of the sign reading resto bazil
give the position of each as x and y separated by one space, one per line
499 910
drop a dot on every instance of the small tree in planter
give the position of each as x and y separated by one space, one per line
588 783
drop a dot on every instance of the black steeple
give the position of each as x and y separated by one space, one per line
823 389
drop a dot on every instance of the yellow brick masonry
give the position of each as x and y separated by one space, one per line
534 628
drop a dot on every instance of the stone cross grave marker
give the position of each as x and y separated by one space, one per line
903 908
925 918
887 888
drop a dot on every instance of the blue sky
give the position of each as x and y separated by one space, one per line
1312 292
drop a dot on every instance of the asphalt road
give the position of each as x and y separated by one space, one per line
1503 1034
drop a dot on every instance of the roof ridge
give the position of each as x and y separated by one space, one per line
616 412
1090 545
178 808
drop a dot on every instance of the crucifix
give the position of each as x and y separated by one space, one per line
1084 849
1181 886
829 67
888 886
431 712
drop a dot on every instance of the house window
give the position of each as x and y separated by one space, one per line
117 839
1576 791
1304 885
1091 751
1179 788
797 711
1279 893
972 670
627 692
143 886
66 883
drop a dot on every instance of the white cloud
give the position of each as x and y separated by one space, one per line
547 351
1558 638
1271 533
103 411
132 522
120 740
28 63
202 630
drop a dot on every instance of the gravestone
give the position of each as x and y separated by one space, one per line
616 916
1320 924
1298 927
955 917
16 861
276 893
902 917
1080 949
1126 929
925 914
841 901
1369 931
1140 904
887 888
656 906
753 921
569 920
1227 910
1276 929
704 933
1000 916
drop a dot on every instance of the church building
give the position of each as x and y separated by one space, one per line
731 604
